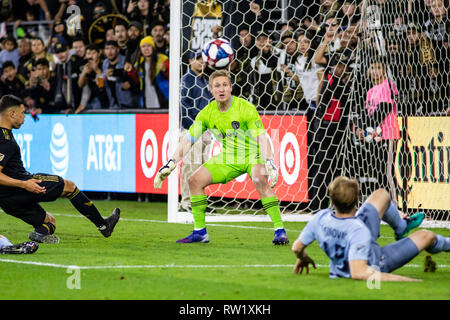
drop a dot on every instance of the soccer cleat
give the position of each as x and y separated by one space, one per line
196 236
411 222
280 237
429 265
110 223
26 247
43 238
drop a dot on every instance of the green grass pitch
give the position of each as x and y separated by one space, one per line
142 261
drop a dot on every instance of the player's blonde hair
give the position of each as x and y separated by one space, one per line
344 194
219 73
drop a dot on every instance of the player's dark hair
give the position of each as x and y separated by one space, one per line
8 101
8 64
112 43
157 23
121 23
344 194
92 46
79 39
38 38
41 62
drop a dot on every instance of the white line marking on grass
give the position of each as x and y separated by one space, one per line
175 266
208 224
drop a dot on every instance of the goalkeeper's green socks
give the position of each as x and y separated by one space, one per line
272 208
198 205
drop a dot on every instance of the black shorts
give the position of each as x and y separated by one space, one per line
24 205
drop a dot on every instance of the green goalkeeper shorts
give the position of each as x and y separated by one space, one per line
223 171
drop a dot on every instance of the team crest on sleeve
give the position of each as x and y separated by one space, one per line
258 124
2 156
236 125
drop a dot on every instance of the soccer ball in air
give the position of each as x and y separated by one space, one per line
218 53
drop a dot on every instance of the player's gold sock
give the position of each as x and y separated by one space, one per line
198 205
272 208
85 206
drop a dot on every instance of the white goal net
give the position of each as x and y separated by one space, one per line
354 88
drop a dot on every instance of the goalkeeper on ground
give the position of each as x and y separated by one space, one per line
246 149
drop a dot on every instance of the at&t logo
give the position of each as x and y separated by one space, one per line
59 150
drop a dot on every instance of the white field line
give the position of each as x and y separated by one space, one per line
208 224
53 265
175 266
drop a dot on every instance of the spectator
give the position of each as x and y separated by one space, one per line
134 38
110 35
381 111
306 71
9 52
92 77
242 14
420 55
285 28
265 76
347 44
195 95
90 10
331 41
12 82
39 52
329 123
42 87
292 92
79 47
22 7
153 71
24 50
121 33
68 93
120 85
241 66
160 11
139 10
328 8
437 92
349 13
60 32
99 11
157 32
437 28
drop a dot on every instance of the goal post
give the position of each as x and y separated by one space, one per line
314 132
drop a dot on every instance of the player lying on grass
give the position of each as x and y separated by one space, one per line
246 149
6 247
21 192
349 235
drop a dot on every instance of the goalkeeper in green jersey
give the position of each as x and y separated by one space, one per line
245 149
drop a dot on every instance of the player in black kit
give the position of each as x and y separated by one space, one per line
21 192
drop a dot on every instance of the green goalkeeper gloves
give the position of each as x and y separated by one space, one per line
163 173
272 171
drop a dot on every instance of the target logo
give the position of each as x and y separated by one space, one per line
149 153
290 158
165 148
152 146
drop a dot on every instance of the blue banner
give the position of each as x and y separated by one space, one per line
96 152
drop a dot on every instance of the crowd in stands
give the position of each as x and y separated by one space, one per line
107 55
287 67
94 63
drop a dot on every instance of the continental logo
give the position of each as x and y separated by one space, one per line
424 161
